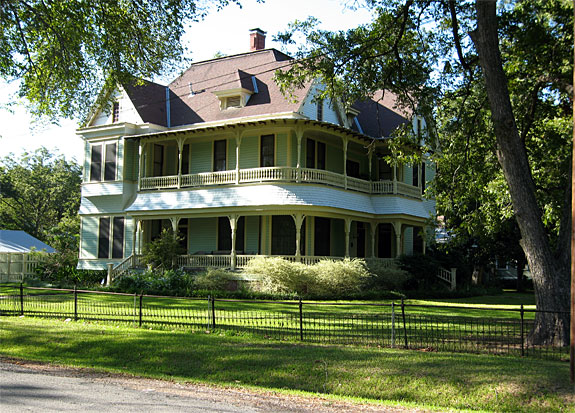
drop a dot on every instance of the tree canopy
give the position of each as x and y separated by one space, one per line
494 83
40 194
66 52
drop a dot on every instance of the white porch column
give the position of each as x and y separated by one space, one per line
180 154
135 235
347 231
369 159
397 228
299 136
175 221
140 230
373 226
238 143
141 149
394 178
298 219
233 225
345 142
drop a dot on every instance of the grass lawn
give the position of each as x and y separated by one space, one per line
412 378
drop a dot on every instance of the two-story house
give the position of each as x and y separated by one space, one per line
240 170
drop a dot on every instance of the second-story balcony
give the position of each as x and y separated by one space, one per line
279 174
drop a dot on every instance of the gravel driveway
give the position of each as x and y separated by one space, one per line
29 386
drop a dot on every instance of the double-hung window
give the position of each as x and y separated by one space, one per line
219 156
267 151
103 163
111 247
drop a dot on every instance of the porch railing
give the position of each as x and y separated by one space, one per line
280 174
225 261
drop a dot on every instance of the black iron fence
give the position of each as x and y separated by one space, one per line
428 328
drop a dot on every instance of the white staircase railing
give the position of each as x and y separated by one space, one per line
448 276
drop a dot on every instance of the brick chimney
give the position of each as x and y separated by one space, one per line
257 39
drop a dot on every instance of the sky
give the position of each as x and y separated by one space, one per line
226 31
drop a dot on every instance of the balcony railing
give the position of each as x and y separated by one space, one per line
280 174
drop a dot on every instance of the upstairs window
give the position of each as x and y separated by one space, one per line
219 156
352 168
415 175
116 112
158 164
320 155
109 163
385 171
267 151
315 154
422 177
310 153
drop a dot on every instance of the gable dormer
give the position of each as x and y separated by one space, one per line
236 91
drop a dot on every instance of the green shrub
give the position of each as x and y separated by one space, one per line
280 276
170 282
338 278
385 277
214 279
163 252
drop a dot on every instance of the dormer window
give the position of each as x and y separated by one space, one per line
233 98
234 102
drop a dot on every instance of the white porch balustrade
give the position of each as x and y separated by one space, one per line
279 174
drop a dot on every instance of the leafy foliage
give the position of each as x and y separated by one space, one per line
503 87
164 251
65 52
384 277
40 194
213 279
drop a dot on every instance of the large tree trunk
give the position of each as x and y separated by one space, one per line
550 277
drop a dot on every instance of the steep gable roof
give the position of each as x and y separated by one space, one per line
149 99
381 114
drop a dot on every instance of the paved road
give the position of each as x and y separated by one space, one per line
36 387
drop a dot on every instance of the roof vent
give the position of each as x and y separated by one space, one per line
257 39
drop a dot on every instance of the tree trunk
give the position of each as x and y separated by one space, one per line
550 278
520 267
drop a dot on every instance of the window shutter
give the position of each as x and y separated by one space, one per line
104 238
110 164
118 238
96 164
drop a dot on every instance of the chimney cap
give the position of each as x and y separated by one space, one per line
257 29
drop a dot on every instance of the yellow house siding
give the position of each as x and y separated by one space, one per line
252 234
201 154
231 154
89 244
281 149
249 152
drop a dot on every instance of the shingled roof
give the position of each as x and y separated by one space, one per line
380 115
192 97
